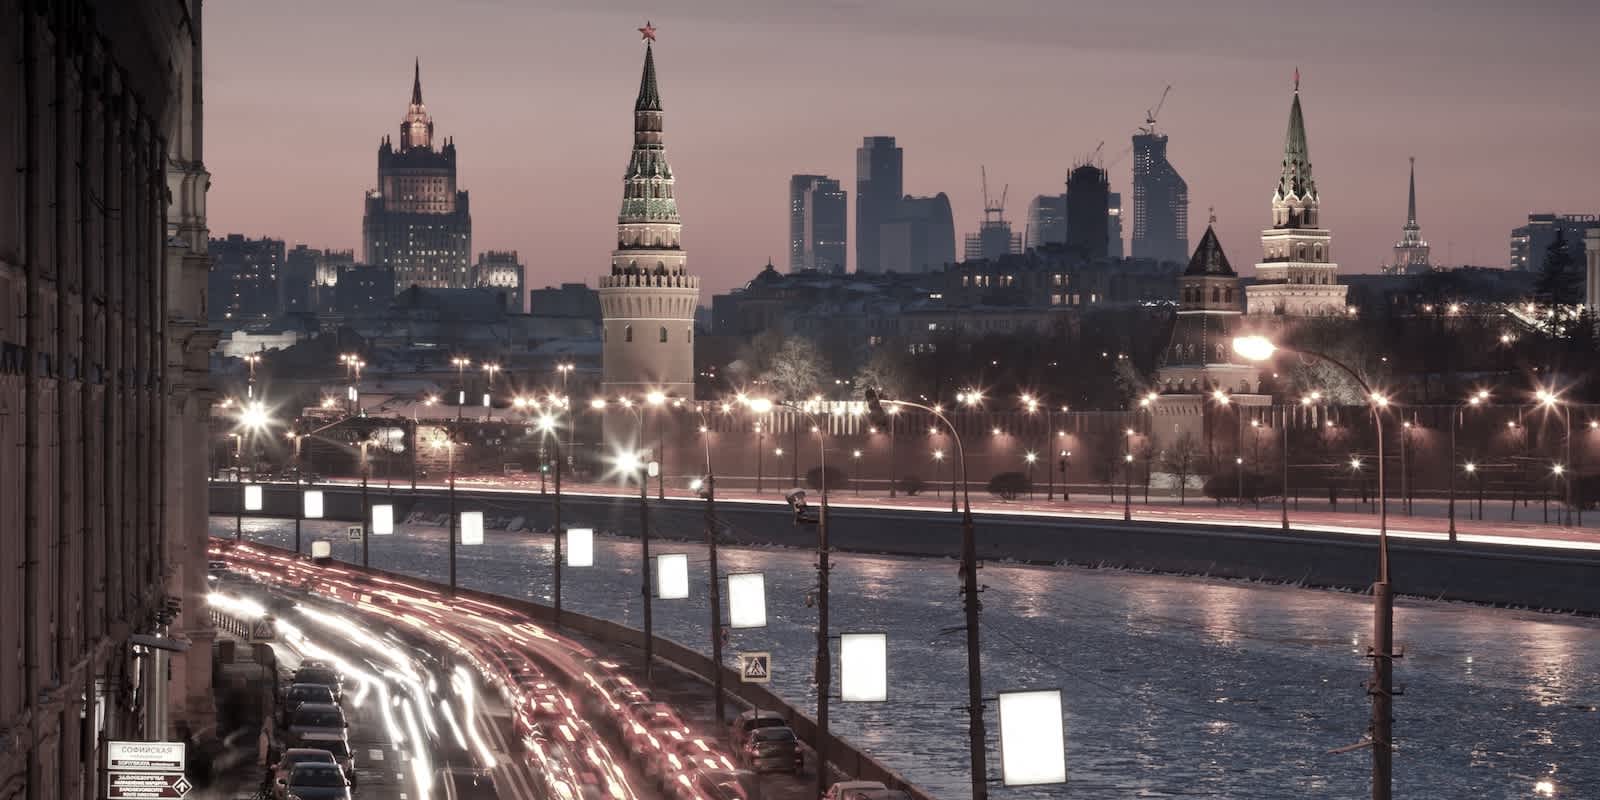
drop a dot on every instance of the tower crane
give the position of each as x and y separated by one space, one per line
1149 126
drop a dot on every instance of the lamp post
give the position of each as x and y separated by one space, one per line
450 455
1031 404
565 370
632 463
299 500
708 490
894 478
1381 689
855 467
1030 457
1405 484
461 363
366 506
761 446
1550 399
1127 475
1480 398
488 389
547 425
238 477
1147 404
969 589
251 360
657 400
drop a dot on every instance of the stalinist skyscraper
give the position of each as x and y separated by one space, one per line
648 298
1297 275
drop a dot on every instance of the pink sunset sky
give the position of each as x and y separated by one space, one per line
1498 101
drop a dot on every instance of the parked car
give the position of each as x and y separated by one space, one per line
316 782
298 693
287 762
740 729
336 745
880 794
321 675
311 718
846 789
716 784
772 748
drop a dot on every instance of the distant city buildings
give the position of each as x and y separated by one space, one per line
244 281
1088 207
501 271
994 237
1591 285
919 236
1114 225
1046 221
1160 202
295 289
417 222
1297 275
1411 252
880 183
818 223
1530 242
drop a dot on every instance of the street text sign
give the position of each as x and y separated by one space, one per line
139 770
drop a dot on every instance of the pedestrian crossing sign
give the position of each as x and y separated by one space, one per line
755 667
355 533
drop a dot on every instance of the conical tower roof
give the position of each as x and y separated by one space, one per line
1411 204
1296 180
649 95
1208 259
416 84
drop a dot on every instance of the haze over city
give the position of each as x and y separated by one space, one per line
1487 96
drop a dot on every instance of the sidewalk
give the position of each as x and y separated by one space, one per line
234 761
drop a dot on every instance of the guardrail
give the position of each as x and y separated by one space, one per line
846 757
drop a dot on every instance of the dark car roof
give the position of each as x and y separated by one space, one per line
308 754
772 733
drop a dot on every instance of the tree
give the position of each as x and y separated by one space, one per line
1181 459
796 371
1009 485
886 372
1560 281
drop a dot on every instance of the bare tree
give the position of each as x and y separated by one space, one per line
1181 459
884 372
796 370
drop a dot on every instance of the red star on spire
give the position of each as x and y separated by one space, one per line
648 32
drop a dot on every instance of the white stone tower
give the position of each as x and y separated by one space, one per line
648 299
1297 275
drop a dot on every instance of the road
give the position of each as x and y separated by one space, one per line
451 699
1175 687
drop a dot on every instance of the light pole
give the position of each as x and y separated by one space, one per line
1480 398
450 455
855 468
461 363
366 507
1405 484
633 463
1381 689
969 589
1030 457
488 389
547 425
761 446
238 477
251 360
1031 404
894 468
708 490
299 500
656 400
566 369
1551 400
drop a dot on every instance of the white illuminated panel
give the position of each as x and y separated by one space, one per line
580 547
382 520
1033 748
747 600
252 497
472 527
864 667
672 576
313 504
322 548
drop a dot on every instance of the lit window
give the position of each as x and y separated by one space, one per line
627 333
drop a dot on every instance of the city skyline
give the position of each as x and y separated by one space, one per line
544 117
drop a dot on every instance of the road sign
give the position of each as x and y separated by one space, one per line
755 667
262 630
141 770
355 533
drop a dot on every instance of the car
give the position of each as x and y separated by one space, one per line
298 693
688 754
286 763
880 794
773 748
848 789
648 727
322 674
312 781
748 721
310 718
336 745
717 784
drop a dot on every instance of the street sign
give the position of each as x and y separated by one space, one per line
142 770
755 667
355 533
262 630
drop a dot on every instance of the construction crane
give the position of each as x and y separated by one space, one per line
998 210
1150 115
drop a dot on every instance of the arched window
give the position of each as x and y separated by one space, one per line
689 335
627 333
1227 295
1216 295
663 334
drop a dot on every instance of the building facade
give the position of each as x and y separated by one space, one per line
1200 358
1591 283
104 387
245 282
1114 225
1160 202
920 236
1297 275
417 222
648 298
1046 222
1411 252
1088 220
818 222
501 271
1530 242
880 183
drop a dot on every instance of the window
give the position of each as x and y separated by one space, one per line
627 333
1216 294
663 334
1227 295
688 335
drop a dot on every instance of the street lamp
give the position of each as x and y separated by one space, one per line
547 425
1478 399
461 363
565 370
1551 400
1259 348
1030 457
969 588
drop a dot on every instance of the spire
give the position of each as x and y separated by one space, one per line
1296 180
416 84
649 96
1411 206
1208 258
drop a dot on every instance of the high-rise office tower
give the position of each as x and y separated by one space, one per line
1411 252
416 221
1088 201
1297 275
1160 201
1530 242
817 224
1047 221
244 279
880 181
648 298
919 237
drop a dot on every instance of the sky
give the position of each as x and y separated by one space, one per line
1496 100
